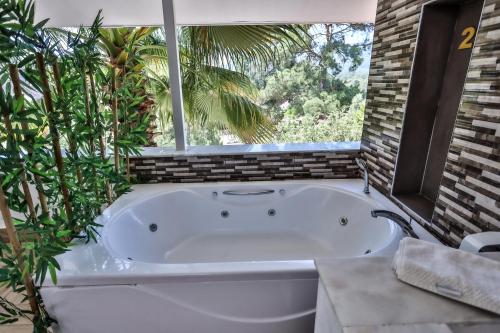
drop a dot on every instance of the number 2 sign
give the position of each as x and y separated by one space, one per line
468 34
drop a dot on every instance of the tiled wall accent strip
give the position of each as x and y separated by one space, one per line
244 167
470 191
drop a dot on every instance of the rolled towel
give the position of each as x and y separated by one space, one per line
452 273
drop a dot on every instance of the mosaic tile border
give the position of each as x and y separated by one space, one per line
245 167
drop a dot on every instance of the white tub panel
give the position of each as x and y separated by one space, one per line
257 306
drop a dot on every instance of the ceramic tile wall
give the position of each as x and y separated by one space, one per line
470 190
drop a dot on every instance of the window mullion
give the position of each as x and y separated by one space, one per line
174 73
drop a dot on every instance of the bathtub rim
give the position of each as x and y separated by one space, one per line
146 193
76 272
136 197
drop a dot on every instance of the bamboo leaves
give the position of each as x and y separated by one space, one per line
54 132
58 108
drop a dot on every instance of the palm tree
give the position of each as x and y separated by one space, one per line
216 92
121 45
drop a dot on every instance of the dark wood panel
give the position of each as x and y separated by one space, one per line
436 31
419 204
449 101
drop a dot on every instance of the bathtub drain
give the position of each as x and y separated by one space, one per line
224 213
271 212
368 251
153 227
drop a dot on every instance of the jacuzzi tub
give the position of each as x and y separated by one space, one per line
227 257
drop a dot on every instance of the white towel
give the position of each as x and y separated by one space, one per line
456 274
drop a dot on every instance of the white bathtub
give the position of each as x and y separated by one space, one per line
189 258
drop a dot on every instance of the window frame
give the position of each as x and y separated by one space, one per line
174 69
172 44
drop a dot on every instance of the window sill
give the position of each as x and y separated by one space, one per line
335 147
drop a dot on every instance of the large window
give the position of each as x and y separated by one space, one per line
233 83
271 84
249 83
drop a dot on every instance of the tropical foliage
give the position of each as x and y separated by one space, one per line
217 93
317 93
60 107
308 87
257 84
120 47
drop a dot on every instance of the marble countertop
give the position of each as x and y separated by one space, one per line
366 296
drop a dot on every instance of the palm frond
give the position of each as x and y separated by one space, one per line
232 46
230 80
215 91
246 119
159 88
154 56
225 98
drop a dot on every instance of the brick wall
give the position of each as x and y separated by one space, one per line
470 190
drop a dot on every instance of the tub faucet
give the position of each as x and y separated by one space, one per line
364 167
398 219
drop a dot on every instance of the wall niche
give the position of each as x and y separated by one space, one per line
444 45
